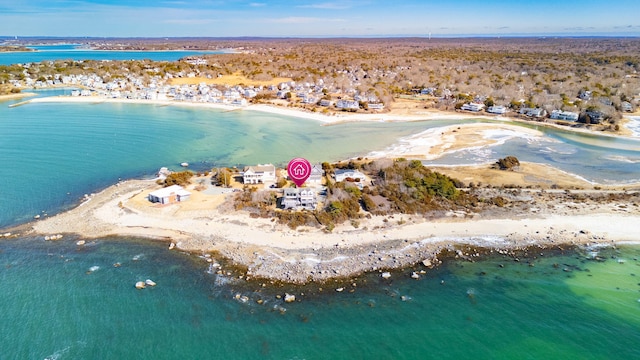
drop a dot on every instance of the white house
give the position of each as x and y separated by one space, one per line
259 174
343 174
316 174
348 104
375 106
497 109
169 195
299 197
564 115
475 107
626 106
537 112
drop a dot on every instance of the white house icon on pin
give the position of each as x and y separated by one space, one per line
299 170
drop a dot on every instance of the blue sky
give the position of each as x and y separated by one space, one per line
212 18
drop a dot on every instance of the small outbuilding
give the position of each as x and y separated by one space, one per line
169 195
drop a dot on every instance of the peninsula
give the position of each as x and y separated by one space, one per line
529 212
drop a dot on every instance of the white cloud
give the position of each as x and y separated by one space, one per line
328 6
255 4
301 20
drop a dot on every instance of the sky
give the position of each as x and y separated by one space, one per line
346 18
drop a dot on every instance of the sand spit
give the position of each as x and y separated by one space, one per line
274 251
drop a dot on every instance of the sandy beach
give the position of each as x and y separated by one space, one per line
272 250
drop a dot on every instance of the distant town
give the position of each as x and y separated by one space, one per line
592 82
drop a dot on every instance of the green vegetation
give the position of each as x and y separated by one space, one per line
401 187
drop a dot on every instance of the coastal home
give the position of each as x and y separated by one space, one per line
169 195
475 107
299 197
533 112
347 104
259 174
316 174
564 115
626 106
325 102
595 116
343 174
375 106
497 109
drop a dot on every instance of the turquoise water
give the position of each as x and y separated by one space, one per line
72 52
52 154
61 301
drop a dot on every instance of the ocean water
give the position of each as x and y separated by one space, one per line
73 52
62 301
53 154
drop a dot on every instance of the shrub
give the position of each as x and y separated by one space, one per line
508 163
178 178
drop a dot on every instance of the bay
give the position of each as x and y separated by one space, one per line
63 301
73 52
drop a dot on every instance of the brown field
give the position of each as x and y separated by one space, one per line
230 80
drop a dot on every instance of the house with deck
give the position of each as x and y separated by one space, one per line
475 107
294 198
564 115
259 174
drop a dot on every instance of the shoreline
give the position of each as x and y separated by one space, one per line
338 117
274 251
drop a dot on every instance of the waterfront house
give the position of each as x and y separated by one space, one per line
259 174
347 104
344 174
626 106
533 112
497 109
316 174
564 115
169 195
325 102
475 107
299 197
595 116
375 106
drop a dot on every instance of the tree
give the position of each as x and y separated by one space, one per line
489 102
223 177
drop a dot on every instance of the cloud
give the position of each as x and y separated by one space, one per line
255 4
327 6
302 20
189 21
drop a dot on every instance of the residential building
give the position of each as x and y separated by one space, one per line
375 106
533 112
564 115
316 174
475 107
169 195
626 106
497 109
294 198
259 174
347 104
343 174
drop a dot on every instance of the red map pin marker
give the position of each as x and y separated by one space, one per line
299 170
